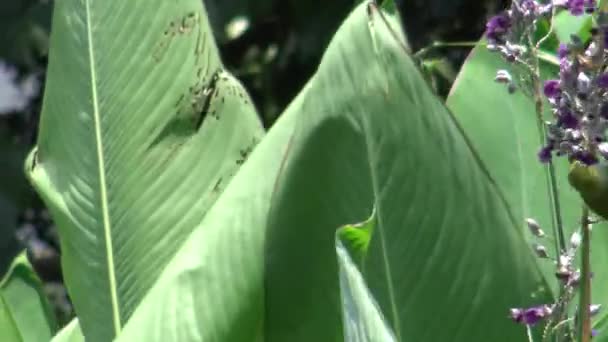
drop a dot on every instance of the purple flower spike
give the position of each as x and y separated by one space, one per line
586 158
602 81
552 89
544 155
604 110
580 7
534 315
576 7
567 120
497 26
530 316
563 51
517 315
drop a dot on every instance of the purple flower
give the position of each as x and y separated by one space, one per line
580 7
566 119
585 157
552 89
590 6
532 315
563 51
529 6
602 81
604 110
497 26
544 155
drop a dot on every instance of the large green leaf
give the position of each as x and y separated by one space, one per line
25 315
446 259
504 130
141 130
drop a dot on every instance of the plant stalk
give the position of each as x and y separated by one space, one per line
585 295
551 178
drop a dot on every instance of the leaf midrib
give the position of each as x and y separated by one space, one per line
107 228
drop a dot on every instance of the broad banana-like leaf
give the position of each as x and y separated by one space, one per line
372 135
369 134
141 130
503 128
25 315
70 333
362 319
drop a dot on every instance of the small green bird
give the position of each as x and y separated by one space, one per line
592 183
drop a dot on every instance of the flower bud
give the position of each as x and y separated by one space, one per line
583 83
541 251
575 240
602 148
503 76
534 227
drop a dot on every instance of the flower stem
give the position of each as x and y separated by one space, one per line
585 295
551 178
529 333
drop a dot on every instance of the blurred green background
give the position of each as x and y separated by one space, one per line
272 46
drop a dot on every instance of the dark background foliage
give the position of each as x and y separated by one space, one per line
277 49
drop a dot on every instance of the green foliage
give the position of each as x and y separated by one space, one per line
138 138
503 129
355 238
25 315
166 238
379 138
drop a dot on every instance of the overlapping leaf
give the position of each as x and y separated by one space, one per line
25 315
141 131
